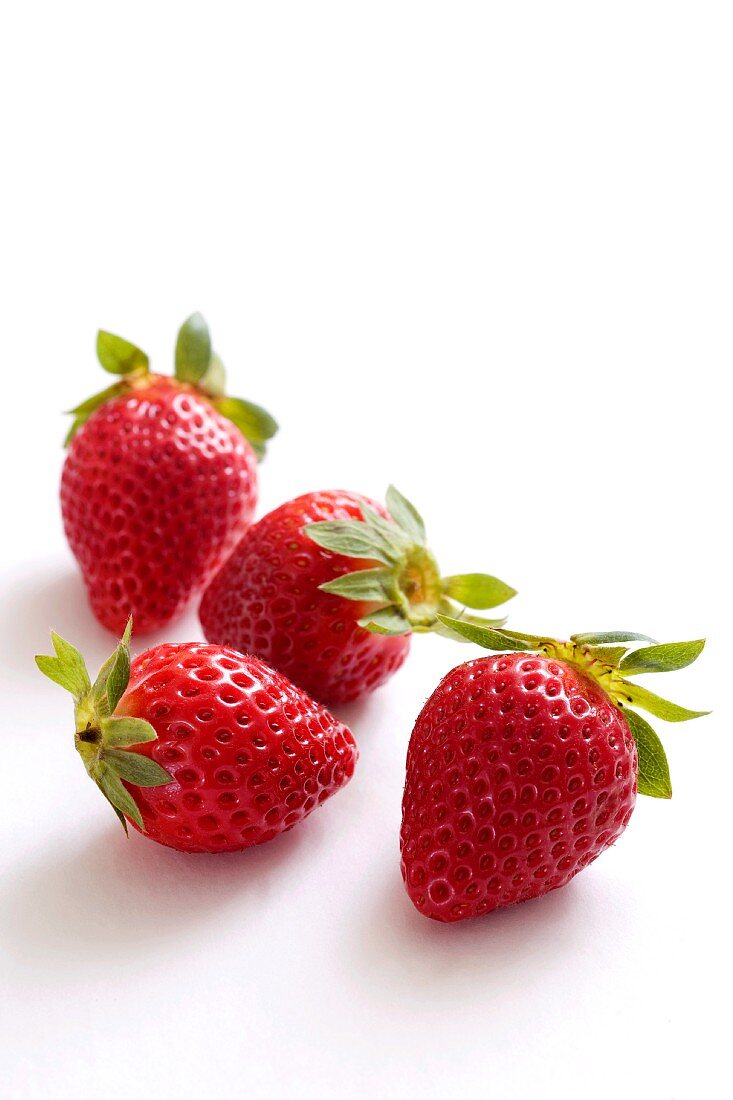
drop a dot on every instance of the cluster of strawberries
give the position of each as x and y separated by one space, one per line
522 767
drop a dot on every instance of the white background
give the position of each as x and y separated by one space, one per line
482 250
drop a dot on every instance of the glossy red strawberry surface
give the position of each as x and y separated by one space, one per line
156 489
251 755
520 772
266 600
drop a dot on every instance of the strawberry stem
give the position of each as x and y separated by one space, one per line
407 593
196 367
104 741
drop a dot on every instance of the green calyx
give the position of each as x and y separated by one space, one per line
406 590
105 741
196 366
608 659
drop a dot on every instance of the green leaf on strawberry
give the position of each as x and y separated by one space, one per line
609 665
609 636
474 620
118 796
499 641
369 585
254 422
193 349
137 769
660 708
214 380
119 356
662 658
120 733
67 668
387 620
113 676
653 776
478 590
352 539
104 741
405 515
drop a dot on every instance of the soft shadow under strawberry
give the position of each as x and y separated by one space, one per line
105 894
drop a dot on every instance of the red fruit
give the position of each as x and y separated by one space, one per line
158 484
522 769
206 750
328 587
266 600
156 489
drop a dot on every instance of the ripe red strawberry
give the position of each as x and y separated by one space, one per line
160 480
328 588
522 768
201 748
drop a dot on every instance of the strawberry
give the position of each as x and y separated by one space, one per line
160 479
329 587
199 747
523 767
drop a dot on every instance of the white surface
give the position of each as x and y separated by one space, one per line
482 250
